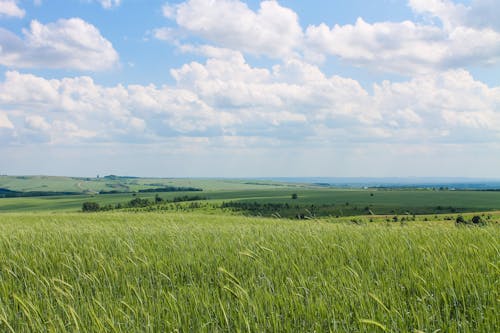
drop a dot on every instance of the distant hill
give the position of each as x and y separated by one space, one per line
395 182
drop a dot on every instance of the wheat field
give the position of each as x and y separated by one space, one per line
169 272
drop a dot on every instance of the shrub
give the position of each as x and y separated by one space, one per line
475 221
478 220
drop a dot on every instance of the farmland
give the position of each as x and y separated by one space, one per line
247 197
191 272
269 201
362 260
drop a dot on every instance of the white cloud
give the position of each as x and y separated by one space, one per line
450 106
166 34
5 121
110 3
450 36
66 43
293 103
273 30
10 8
37 123
449 13
107 4
479 14
406 47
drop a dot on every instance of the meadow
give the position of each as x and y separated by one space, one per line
149 272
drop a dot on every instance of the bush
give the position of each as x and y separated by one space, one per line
294 196
90 207
478 220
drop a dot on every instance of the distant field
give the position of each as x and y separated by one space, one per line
126 184
170 272
321 202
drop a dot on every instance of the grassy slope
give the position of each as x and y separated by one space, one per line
69 184
162 272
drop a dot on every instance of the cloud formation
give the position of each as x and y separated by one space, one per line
292 103
221 99
64 44
451 36
463 39
273 30
9 8
406 48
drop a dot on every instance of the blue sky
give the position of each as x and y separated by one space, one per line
233 88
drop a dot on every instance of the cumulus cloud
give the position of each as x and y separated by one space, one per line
450 106
406 47
66 43
450 14
273 30
450 36
479 14
225 97
9 8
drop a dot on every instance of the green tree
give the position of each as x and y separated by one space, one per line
158 199
90 207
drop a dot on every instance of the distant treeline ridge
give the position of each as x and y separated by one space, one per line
5 193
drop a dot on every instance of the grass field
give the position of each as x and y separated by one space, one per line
169 272
327 202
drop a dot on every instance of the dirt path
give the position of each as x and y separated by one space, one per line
79 185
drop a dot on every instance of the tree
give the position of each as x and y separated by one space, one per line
158 199
90 207
295 196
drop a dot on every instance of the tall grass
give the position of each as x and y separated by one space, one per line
121 272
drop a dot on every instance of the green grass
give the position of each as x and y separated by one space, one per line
126 272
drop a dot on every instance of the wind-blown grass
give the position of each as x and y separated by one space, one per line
165 272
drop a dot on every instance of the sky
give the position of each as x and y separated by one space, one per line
234 88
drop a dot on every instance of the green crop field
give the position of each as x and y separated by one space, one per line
325 202
146 272
331 260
